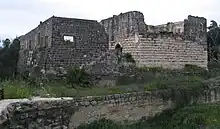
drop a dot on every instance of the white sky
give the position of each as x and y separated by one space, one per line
20 16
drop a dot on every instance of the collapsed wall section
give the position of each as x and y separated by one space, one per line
195 29
173 27
124 25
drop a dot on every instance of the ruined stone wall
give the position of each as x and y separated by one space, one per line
130 23
174 27
170 45
124 25
89 40
164 50
50 50
68 113
40 37
195 29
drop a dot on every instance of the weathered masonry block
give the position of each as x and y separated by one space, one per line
170 45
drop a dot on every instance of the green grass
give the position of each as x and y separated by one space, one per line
146 79
21 89
16 89
175 82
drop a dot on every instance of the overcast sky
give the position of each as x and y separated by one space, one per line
20 16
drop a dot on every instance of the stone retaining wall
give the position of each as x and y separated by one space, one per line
70 112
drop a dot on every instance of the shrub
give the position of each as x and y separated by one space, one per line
101 124
129 58
151 69
77 77
114 91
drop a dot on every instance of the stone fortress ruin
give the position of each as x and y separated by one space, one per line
63 42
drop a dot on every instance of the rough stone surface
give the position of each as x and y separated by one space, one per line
195 29
50 113
124 25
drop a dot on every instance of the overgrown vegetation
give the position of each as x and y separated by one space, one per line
77 77
213 39
129 58
77 83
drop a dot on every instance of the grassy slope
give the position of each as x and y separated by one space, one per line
22 89
149 79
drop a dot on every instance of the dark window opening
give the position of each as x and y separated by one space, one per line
42 41
46 41
38 39
179 31
112 38
29 45
62 60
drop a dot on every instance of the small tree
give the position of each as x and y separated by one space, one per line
213 39
6 43
9 56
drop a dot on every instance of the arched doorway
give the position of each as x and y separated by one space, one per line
118 51
118 48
